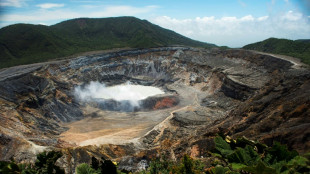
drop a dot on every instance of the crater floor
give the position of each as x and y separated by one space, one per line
207 91
115 127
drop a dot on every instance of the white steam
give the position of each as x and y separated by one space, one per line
123 92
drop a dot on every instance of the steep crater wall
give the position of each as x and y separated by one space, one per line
204 88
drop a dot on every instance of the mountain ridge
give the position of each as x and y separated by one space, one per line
295 48
27 43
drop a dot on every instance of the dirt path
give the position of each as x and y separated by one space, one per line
297 62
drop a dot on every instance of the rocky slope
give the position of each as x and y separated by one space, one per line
207 91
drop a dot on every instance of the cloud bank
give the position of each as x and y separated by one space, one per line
237 32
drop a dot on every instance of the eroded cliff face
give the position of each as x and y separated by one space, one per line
236 92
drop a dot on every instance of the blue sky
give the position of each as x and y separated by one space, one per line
222 22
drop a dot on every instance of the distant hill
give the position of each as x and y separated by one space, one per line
26 43
295 48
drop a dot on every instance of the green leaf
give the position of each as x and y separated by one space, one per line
278 153
13 167
222 147
280 166
220 170
85 169
9 167
237 166
298 161
215 154
307 155
245 156
299 164
260 168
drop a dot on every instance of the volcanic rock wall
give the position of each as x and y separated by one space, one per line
210 91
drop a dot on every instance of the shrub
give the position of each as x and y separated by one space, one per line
85 169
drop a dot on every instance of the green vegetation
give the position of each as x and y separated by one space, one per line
230 156
242 155
298 48
25 43
186 165
237 156
85 169
96 167
45 164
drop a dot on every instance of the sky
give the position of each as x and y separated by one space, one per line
232 23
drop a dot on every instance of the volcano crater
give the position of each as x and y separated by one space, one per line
201 92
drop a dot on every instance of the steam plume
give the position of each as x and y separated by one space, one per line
124 93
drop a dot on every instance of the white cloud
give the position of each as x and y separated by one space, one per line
43 24
121 11
50 5
237 32
229 19
12 3
41 16
45 15
247 18
292 16
262 18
